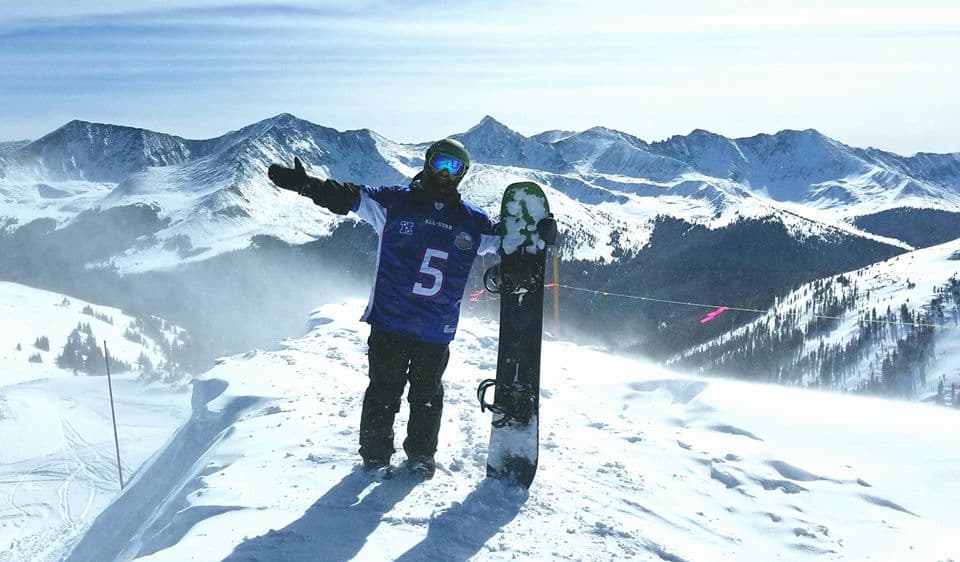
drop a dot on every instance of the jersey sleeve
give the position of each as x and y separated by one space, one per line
489 236
373 203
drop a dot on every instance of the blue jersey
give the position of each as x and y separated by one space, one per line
424 258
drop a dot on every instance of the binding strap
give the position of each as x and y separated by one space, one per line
517 402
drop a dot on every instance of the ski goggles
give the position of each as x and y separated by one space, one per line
453 166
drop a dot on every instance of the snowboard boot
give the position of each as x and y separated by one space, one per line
422 466
376 466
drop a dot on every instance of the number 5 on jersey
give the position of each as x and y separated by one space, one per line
427 268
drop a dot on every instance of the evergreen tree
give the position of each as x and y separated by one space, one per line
82 354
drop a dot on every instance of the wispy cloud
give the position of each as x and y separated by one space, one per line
868 74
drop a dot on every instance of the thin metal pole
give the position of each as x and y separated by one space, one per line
113 413
556 292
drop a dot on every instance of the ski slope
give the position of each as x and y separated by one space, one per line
58 466
636 463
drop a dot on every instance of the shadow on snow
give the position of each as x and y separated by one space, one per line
337 526
334 528
460 532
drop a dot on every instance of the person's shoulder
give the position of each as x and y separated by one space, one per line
473 210
477 217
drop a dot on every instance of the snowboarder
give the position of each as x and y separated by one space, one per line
429 238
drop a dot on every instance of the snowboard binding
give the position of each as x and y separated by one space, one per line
495 281
516 403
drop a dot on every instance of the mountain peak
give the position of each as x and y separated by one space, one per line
696 137
607 132
90 129
806 141
600 129
805 133
489 134
489 124
492 142
80 125
82 150
703 133
285 118
282 124
281 119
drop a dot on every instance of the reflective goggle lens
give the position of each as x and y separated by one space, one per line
452 165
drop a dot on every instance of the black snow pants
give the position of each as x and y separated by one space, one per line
394 360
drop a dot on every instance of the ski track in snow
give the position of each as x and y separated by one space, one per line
55 478
57 458
636 463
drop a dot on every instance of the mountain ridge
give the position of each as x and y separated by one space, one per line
215 192
634 216
488 122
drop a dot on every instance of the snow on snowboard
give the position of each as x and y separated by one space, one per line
518 278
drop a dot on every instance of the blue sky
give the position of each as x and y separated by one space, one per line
876 73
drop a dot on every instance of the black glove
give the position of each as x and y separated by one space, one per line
339 197
294 179
547 230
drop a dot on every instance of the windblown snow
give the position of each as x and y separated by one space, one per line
636 463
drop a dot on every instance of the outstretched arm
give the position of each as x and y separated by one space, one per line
338 197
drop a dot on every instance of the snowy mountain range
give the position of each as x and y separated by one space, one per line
697 218
214 193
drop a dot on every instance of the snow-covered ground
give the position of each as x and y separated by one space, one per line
58 466
57 457
636 463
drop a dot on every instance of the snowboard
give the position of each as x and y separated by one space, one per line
518 278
